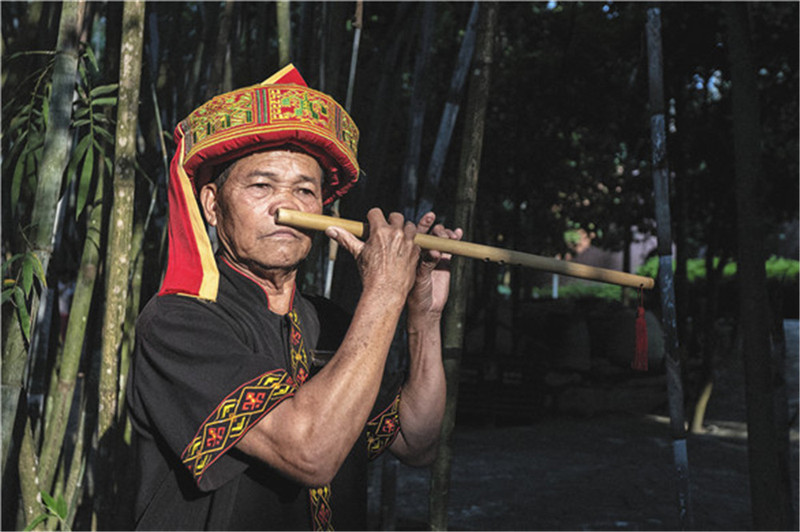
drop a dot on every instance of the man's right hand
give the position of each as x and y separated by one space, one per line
387 261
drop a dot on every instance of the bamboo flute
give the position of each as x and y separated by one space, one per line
319 222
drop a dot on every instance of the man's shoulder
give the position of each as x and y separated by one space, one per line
174 310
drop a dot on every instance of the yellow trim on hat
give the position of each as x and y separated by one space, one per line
278 75
210 284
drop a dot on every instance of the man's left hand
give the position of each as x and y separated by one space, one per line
432 284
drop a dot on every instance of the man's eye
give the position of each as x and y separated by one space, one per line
307 191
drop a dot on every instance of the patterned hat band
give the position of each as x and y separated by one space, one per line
281 111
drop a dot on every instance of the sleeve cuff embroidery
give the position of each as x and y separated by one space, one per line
383 429
233 417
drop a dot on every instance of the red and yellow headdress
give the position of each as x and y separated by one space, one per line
282 110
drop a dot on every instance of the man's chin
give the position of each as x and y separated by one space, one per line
284 266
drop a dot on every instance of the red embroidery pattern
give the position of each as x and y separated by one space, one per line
297 349
227 111
258 109
382 429
233 417
320 499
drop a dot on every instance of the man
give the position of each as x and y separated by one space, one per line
234 427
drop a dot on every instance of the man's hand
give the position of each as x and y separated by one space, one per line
432 282
388 259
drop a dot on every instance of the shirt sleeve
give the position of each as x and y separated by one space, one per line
199 384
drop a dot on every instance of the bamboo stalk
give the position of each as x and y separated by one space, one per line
319 222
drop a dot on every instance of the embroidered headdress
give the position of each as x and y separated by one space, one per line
280 111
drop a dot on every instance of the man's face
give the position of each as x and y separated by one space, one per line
243 209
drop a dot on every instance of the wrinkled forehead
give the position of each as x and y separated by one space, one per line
314 167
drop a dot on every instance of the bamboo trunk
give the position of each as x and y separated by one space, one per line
54 160
449 115
665 274
284 32
74 340
410 173
466 195
216 81
119 246
767 434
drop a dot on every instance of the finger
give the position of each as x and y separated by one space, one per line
375 219
426 222
396 219
441 231
346 239
410 230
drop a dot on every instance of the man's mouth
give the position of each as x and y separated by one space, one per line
283 234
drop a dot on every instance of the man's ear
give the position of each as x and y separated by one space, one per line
208 200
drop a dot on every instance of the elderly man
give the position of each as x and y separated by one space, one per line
234 426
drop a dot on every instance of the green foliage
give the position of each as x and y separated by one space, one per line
777 268
17 289
25 137
97 143
25 132
53 507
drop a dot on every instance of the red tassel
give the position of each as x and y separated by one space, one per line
640 356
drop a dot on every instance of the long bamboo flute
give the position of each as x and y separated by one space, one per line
319 222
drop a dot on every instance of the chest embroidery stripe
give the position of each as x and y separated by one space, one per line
233 417
319 498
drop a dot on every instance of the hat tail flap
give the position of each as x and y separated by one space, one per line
191 268
288 74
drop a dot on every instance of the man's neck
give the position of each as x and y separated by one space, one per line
277 283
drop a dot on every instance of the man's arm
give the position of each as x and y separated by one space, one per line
308 436
423 397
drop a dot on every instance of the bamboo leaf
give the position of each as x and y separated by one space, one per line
82 72
80 112
48 500
46 111
7 265
61 508
92 58
6 295
38 270
27 274
17 121
110 100
33 524
78 155
85 181
104 133
22 311
19 142
82 122
103 89
16 181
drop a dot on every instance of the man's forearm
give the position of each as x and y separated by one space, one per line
423 396
309 436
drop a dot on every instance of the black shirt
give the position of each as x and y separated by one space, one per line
203 374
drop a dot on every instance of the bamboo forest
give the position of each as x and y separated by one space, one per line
658 139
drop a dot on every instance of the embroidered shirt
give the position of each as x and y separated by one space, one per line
203 374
